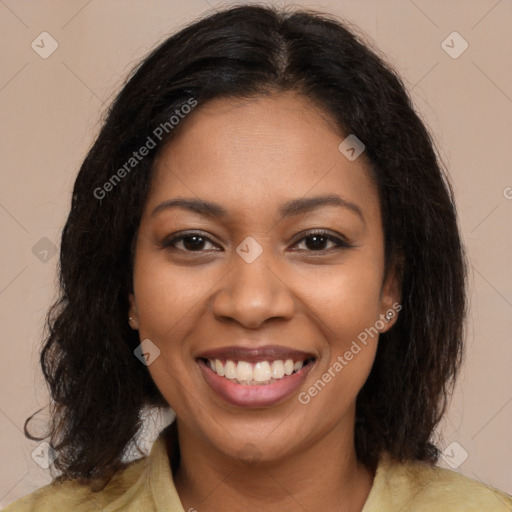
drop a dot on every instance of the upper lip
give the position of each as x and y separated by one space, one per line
255 354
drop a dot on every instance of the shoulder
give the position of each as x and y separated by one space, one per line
127 488
420 487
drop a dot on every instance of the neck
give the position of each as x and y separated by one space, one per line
327 473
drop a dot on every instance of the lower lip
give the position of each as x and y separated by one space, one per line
259 395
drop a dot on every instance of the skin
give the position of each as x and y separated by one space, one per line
250 157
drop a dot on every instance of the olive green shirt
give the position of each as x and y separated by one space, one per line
147 485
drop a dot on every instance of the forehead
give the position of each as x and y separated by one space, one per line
253 154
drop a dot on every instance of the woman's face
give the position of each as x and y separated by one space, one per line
236 273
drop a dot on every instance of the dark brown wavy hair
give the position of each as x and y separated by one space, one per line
98 387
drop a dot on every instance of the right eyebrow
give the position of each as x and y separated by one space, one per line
195 205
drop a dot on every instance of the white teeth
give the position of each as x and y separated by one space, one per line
230 370
277 369
263 372
219 369
244 370
288 367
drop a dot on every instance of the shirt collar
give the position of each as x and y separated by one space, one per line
167 499
160 479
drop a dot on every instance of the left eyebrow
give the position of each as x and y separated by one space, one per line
307 204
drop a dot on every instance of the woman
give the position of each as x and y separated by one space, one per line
263 239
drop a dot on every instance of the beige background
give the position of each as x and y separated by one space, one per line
51 111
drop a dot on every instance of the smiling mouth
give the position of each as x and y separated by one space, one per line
255 376
260 373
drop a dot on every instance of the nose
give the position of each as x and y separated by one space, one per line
252 293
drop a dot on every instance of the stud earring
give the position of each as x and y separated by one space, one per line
389 316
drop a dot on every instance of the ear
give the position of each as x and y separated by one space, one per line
133 315
390 298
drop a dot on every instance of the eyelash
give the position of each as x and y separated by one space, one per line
170 242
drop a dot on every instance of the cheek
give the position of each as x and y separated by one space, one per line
166 296
166 305
349 301
349 309
167 302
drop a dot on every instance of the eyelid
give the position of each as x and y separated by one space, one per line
320 231
338 239
176 237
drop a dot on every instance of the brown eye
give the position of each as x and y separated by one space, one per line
193 243
318 240
188 242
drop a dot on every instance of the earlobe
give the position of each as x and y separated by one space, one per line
388 317
133 318
390 300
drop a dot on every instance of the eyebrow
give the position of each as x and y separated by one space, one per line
288 209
